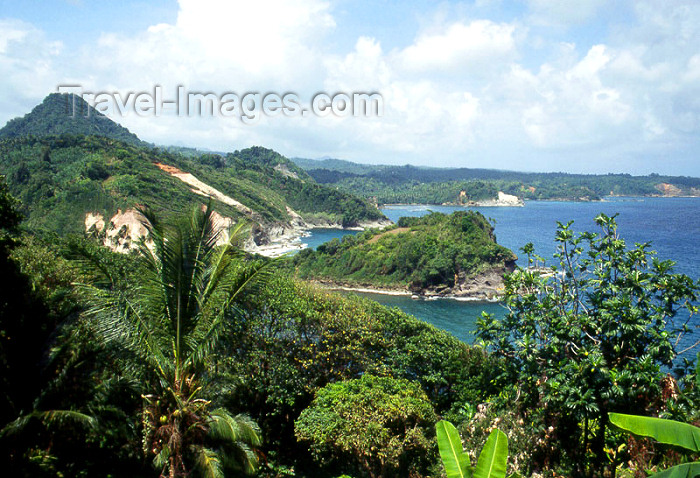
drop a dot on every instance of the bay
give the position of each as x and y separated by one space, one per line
671 225
320 235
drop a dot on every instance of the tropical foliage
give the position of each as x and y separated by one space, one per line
668 432
492 459
591 336
166 330
380 425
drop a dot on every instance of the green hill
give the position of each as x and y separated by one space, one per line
339 165
59 179
96 168
264 157
440 254
54 116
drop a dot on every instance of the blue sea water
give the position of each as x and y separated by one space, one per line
672 225
321 235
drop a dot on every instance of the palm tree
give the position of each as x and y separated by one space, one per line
165 330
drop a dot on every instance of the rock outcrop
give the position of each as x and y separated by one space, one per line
487 285
503 200
123 231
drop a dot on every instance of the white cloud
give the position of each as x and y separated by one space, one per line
468 47
28 65
365 68
418 112
215 45
259 37
463 87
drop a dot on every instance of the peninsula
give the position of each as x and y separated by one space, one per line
443 255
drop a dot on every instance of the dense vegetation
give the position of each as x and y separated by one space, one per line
394 416
437 250
55 116
60 178
99 380
422 185
598 335
108 374
186 359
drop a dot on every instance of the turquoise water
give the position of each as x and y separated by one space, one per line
672 225
319 236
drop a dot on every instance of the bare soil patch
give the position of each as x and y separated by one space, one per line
398 230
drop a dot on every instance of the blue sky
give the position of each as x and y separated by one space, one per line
537 85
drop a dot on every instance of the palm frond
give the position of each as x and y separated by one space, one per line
208 463
120 323
160 461
220 306
233 429
241 457
250 276
204 237
50 418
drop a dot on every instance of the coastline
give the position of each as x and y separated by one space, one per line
401 292
290 239
367 290
553 199
503 200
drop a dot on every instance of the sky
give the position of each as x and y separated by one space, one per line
590 86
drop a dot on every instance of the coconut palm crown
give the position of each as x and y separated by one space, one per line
165 330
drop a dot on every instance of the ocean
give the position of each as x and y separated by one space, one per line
672 225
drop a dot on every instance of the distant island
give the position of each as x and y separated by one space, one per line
452 255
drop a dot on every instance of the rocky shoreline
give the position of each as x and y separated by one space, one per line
484 287
282 239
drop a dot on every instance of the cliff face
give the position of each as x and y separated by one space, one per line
672 190
486 285
667 189
503 200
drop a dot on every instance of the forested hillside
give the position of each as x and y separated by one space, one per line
411 184
61 178
63 166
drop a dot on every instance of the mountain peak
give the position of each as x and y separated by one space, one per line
65 113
